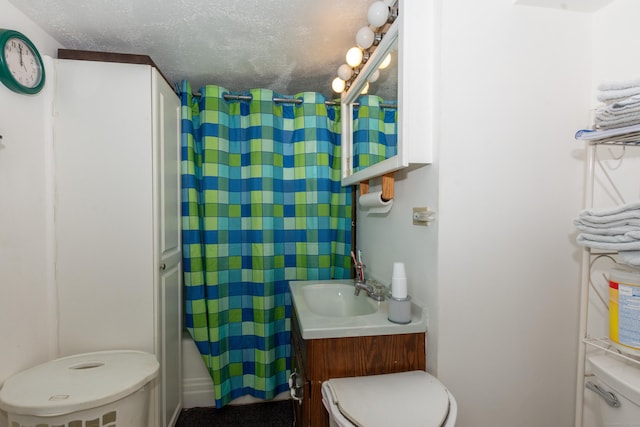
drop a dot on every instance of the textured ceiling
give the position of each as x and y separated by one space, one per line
285 45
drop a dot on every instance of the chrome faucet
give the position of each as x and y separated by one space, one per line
362 286
373 291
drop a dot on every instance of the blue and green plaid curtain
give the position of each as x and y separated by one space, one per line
375 131
262 205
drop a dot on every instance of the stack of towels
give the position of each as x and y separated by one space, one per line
621 106
612 229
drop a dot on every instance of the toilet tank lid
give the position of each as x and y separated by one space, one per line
622 376
78 382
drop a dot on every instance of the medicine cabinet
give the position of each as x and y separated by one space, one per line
412 41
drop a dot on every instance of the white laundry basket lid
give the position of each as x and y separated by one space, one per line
401 399
79 382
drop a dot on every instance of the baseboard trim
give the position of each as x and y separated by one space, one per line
197 393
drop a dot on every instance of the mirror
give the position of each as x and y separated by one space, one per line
367 152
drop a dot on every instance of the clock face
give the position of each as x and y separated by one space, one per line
22 63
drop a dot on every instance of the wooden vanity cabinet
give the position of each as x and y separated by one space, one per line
317 360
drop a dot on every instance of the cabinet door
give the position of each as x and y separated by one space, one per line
167 137
170 357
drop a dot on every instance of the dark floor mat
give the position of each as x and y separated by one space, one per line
267 414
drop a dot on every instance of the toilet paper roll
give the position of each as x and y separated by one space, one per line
373 203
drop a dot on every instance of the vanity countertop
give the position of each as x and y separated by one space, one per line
313 325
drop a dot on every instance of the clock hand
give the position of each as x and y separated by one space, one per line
21 61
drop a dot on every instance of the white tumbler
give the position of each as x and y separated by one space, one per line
399 281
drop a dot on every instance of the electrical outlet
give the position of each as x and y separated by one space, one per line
422 216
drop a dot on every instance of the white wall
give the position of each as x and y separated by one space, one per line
509 274
499 270
27 310
615 42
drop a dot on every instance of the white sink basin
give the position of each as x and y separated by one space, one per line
329 309
337 300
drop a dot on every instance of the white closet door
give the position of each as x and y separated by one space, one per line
167 137
171 366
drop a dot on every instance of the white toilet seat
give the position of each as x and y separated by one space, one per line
413 398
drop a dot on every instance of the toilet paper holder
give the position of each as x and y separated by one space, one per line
387 186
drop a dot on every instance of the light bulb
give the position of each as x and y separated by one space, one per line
385 62
354 57
365 37
345 72
365 89
374 76
378 14
338 85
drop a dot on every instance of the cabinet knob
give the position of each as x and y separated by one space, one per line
163 266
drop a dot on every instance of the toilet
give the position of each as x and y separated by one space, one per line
100 389
617 384
413 398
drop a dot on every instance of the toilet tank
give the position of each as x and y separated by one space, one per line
621 378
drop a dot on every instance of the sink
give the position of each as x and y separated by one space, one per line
337 300
329 309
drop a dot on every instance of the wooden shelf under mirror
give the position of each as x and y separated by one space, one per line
387 186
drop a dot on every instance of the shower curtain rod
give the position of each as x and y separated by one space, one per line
228 97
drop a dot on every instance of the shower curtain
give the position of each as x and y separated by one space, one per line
262 205
375 131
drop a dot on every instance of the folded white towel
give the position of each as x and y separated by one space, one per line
602 227
617 123
608 229
617 85
614 228
608 246
631 258
625 103
618 109
622 113
618 238
617 94
592 214
614 220
617 114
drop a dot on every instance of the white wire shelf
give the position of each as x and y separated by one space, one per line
606 345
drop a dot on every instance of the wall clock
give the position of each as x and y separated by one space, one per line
21 68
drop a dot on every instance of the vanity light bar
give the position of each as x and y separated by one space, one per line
380 16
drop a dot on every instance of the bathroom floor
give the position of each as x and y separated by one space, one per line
267 414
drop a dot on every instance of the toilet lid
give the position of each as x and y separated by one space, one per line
413 398
79 382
